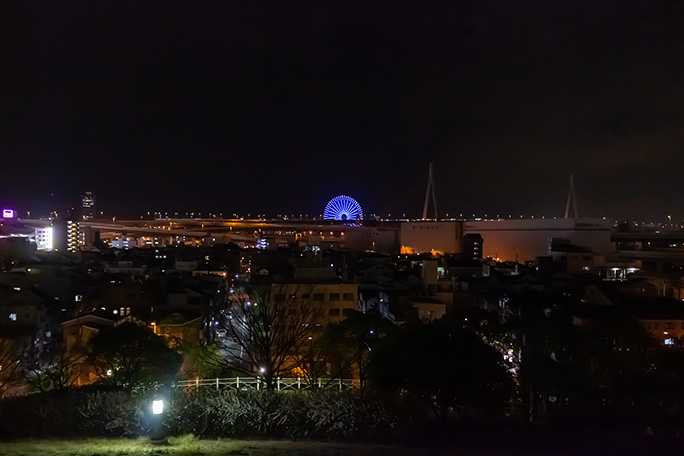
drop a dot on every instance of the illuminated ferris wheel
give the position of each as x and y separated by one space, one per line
343 208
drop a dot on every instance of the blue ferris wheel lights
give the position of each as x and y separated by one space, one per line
343 208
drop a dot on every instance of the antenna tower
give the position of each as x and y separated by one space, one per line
430 190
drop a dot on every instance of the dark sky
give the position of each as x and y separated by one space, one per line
277 107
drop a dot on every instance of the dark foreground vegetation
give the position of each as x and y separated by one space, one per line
204 412
533 382
210 414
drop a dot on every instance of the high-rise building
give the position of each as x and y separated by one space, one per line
80 237
88 206
72 236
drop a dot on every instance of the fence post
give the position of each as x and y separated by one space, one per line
197 382
258 382
299 383
217 383
320 383
278 383
237 382
340 379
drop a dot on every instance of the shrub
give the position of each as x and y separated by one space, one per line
111 414
205 412
301 414
74 413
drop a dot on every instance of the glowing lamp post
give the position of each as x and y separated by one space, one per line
157 406
157 434
260 379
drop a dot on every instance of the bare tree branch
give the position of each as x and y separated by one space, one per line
14 344
270 327
59 371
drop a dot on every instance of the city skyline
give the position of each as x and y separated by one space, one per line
247 109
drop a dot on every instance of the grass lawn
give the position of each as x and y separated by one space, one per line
191 446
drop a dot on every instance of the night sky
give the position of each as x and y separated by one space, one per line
254 107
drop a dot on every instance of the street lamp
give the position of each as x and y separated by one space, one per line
261 380
157 406
157 434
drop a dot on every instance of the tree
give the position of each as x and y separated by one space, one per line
549 356
350 343
442 364
269 327
616 347
601 360
665 376
12 349
59 370
202 360
131 355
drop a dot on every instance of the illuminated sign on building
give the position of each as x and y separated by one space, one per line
7 213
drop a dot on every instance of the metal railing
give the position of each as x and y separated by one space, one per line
280 384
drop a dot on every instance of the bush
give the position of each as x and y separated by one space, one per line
301 414
111 414
203 412
70 414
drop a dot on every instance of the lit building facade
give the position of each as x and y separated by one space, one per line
44 238
72 236
335 300
526 239
431 237
80 237
505 240
124 242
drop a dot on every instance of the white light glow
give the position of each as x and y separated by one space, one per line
44 238
158 406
